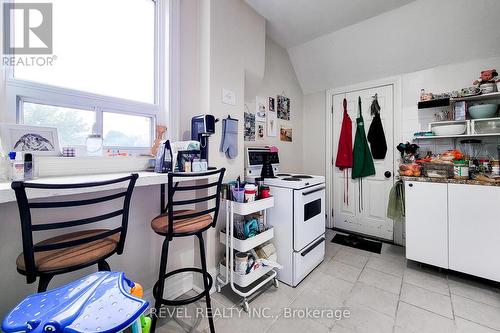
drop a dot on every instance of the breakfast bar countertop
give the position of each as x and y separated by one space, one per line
146 178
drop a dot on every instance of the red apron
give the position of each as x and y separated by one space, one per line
344 151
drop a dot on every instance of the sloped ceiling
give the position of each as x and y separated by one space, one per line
420 35
293 22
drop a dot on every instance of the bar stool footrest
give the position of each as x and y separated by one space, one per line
183 301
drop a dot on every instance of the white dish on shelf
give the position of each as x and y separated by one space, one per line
249 243
446 130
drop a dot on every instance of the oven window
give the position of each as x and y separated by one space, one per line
312 209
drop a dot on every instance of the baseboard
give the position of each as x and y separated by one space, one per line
173 289
213 272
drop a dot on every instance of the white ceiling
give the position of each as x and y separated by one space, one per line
293 22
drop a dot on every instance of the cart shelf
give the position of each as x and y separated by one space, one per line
249 243
248 208
247 279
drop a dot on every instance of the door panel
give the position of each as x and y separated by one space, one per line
365 212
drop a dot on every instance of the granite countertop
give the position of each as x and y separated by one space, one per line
449 181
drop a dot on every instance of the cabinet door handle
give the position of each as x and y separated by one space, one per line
410 185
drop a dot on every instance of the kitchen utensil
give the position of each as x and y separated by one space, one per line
446 130
480 111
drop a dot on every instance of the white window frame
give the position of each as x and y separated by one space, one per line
19 91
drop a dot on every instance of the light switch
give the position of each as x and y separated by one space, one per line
228 96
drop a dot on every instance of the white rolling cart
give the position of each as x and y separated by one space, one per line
229 276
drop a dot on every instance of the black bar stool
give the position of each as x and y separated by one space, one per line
182 223
71 251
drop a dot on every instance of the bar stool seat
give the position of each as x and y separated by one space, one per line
185 226
174 223
84 254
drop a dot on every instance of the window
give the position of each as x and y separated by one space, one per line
74 125
104 77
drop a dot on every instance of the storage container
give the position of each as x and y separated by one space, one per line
437 170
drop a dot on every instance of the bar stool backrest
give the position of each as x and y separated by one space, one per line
212 200
26 206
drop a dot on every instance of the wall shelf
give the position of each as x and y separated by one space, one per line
437 103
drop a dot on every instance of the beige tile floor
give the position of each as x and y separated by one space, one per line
381 292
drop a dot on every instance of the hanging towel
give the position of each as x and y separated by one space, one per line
376 135
362 158
344 151
396 205
229 140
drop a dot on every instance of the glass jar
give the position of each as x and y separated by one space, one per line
94 145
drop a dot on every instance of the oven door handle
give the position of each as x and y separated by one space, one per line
313 191
312 247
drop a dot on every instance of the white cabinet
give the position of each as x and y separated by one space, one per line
474 230
427 223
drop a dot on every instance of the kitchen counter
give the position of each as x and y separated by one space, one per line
448 181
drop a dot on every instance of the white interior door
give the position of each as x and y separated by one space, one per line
364 211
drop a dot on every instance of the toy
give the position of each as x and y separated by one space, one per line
99 302
487 76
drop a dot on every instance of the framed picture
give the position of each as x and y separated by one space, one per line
283 107
259 132
286 134
260 110
37 140
272 123
249 129
271 104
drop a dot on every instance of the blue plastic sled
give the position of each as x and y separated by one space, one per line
99 302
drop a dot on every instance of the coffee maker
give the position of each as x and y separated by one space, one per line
201 128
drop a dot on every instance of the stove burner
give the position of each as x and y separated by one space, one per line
284 175
292 179
302 176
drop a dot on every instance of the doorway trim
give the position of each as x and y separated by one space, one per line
396 82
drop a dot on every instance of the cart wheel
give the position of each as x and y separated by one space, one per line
219 288
276 283
245 306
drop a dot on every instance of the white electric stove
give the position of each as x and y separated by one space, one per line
298 216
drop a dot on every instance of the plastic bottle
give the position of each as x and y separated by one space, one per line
28 166
16 166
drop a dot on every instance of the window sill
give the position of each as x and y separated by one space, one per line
49 166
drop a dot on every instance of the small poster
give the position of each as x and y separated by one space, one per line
283 107
286 134
249 127
272 123
260 110
271 104
259 133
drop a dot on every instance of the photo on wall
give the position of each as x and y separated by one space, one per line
283 107
286 134
272 124
260 110
271 104
249 127
260 132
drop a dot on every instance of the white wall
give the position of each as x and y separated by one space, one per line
420 35
280 76
314 133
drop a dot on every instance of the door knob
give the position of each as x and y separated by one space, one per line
387 174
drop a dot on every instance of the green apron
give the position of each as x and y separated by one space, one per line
362 157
